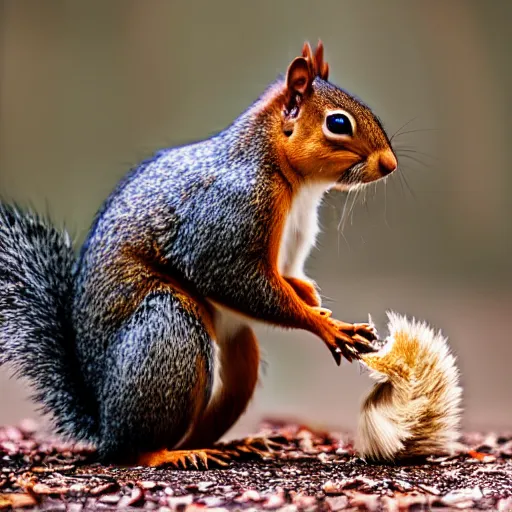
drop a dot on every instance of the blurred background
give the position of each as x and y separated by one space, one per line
88 89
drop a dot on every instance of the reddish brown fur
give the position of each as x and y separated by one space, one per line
140 274
239 362
318 66
306 291
197 395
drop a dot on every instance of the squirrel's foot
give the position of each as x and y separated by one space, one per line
251 447
219 457
189 459
345 339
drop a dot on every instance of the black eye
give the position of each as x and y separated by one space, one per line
339 124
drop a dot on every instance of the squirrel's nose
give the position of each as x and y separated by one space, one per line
387 162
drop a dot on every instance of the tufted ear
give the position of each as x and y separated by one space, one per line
299 77
321 67
303 70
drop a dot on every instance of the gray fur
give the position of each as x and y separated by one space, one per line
146 399
36 335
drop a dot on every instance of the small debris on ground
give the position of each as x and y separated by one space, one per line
311 471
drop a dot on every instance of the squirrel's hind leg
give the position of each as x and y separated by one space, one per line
159 376
238 359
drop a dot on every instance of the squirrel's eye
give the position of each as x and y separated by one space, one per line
339 124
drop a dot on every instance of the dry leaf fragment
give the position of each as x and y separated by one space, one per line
16 500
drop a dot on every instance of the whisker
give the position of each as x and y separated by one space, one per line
365 202
399 180
404 179
417 160
386 203
341 224
352 207
406 150
347 208
402 127
414 131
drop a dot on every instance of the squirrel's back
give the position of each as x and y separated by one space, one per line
196 214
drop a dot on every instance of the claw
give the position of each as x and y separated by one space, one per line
363 344
336 353
204 459
366 330
219 461
269 443
188 459
192 458
253 446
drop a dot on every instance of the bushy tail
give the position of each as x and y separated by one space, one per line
36 332
414 409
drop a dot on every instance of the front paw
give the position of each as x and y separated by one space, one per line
345 339
366 334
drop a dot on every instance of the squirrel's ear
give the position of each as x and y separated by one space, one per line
299 77
322 68
307 52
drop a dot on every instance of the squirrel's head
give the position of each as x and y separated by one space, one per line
327 134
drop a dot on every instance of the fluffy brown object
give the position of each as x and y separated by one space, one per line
414 409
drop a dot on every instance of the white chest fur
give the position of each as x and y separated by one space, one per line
300 230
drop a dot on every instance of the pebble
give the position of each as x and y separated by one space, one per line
332 488
204 486
249 495
462 498
148 485
429 489
101 489
136 496
274 501
180 501
305 503
323 457
336 503
212 501
46 489
77 488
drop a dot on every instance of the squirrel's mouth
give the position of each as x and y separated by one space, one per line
354 175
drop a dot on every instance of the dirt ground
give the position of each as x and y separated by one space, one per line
310 471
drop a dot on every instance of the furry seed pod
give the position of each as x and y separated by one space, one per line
414 409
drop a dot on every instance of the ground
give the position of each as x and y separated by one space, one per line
312 471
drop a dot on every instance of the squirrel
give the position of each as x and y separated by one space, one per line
142 343
414 408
